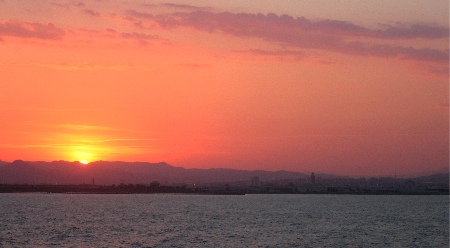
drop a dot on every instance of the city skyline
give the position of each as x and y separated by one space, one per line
348 88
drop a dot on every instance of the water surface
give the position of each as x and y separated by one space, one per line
159 220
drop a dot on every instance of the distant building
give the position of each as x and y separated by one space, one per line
154 184
313 178
255 182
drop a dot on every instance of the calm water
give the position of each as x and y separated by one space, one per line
64 220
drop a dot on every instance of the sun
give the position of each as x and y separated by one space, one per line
82 155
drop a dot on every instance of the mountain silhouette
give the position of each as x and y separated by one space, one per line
108 173
117 172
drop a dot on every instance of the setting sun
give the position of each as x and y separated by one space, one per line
127 122
82 156
298 85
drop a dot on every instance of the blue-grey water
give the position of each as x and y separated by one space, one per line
78 220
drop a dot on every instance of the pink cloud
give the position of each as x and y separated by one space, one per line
403 31
442 105
64 6
438 70
177 6
136 14
140 37
302 33
30 30
184 6
91 12
67 5
226 21
194 65
283 55
398 31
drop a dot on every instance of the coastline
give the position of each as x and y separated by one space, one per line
143 189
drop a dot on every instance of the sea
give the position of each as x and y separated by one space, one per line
177 220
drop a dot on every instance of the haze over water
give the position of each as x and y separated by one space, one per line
65 220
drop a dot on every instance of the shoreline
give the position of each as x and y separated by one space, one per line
142 189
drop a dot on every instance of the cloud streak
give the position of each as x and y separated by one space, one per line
31 30
398 31
142 38
91 12
67 5
331 35
244 24
113 140
284 55
442 105
177 6
83 67
85 127
184 6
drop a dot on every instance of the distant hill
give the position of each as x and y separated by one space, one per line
442 178
107 173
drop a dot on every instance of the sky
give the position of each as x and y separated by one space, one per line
355 88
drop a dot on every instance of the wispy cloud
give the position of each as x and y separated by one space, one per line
75 144
442 105
438 70
142 38
194 65
60 5
331 35
41 109
91 12
259 24
283 55
184 6
30 30
137 14
386 31
67 5
177 6
83 67
113 140
84 127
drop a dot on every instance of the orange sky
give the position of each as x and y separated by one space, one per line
360 88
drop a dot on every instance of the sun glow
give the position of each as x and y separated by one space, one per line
82 156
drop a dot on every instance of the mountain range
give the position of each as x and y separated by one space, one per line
108 173
117 172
